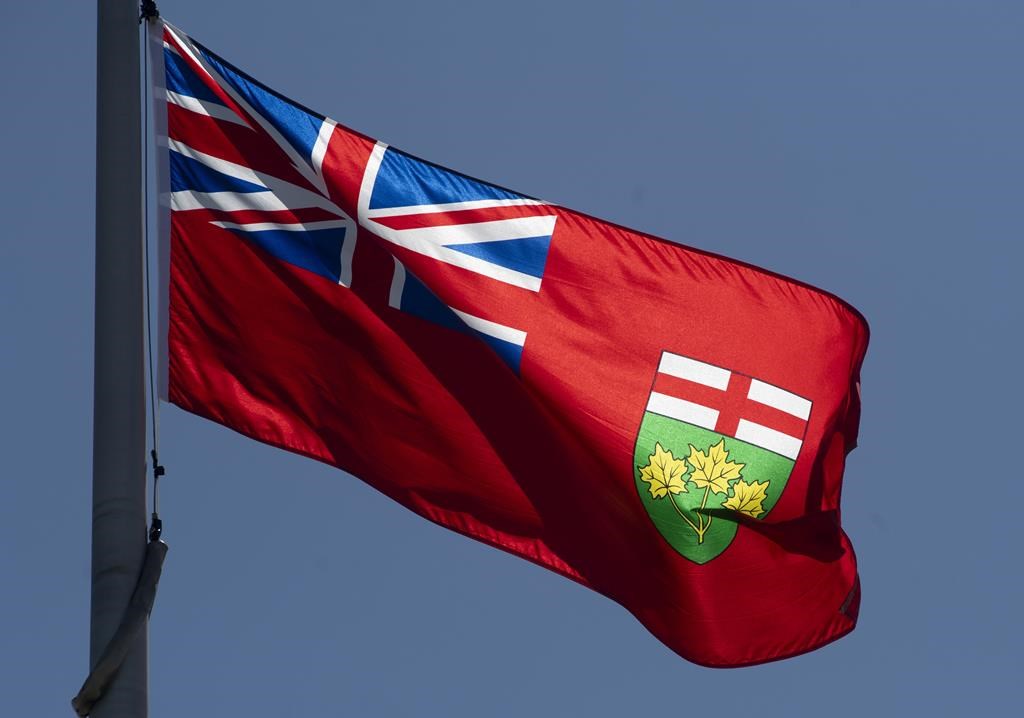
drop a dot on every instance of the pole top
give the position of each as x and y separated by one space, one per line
148 10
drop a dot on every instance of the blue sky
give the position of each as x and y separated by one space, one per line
871 148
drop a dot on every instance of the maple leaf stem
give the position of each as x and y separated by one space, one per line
700 516
672 500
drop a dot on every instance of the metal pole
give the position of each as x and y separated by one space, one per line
119 416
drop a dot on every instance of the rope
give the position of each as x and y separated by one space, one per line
148 11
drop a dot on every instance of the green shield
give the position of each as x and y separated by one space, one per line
693 483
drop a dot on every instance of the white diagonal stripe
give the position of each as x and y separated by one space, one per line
347 246
494 231
284 226
291 194
473 264
693 370
784 444
492 329
779 399
682 410
185 200
223 166
451 207
204 107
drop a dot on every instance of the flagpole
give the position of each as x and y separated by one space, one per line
119 418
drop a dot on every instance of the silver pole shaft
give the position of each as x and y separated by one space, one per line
119 408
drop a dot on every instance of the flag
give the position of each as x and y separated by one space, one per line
663 425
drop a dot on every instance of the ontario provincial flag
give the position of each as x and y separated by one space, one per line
663 425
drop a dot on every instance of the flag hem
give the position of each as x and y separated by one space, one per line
161 169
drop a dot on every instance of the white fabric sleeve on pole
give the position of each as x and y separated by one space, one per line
134 619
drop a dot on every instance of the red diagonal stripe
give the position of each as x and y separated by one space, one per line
248 216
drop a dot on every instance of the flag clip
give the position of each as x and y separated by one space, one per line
158 470
156 526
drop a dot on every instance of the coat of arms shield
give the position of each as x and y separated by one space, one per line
713 443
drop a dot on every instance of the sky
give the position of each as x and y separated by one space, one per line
873 148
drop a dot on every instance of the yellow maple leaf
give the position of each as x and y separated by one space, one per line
747 498
713 469
664 473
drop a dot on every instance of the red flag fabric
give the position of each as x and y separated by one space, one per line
665 426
